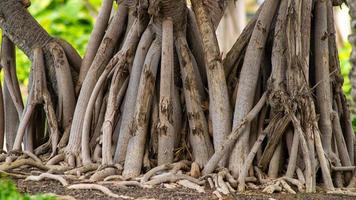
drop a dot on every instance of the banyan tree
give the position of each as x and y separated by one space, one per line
152 100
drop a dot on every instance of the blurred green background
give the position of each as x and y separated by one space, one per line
71 20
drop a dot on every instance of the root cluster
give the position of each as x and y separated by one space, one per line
152 102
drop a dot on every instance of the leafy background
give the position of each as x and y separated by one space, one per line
71 20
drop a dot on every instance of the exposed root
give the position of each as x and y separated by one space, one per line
170 178
33 156
119 112
114 177
174 167
194 170
101 188
191 185
22 162
81 170
217 194
287 187
56 159
270 189
13 175
342 192
296 183
102 174
125 184
48 176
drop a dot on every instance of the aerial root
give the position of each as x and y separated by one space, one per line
48 176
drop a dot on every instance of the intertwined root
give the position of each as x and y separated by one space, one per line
145 102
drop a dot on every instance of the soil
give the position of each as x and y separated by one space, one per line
49 186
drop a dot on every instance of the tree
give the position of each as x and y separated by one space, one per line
152 94
352 39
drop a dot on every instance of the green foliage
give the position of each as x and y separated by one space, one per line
8 191
344 55
66 19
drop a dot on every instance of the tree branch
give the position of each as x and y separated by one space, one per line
18 24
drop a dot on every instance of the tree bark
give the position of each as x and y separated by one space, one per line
323 89
248 81
219 104
167 133
136 145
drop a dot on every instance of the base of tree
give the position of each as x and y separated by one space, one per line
151 102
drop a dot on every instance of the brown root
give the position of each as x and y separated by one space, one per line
48 176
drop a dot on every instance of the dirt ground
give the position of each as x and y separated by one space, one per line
159 193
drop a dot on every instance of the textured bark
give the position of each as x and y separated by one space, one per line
219 104
11 92
131 93
95 39
249 160
136 145
101 59
233 136
293 155
117 88
17 22
196 44
275 77
66 94
39 94
11 119
167 133
248 81
323 89
198 134
8 61
95 97
215 9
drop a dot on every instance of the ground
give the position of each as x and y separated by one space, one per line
159 193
